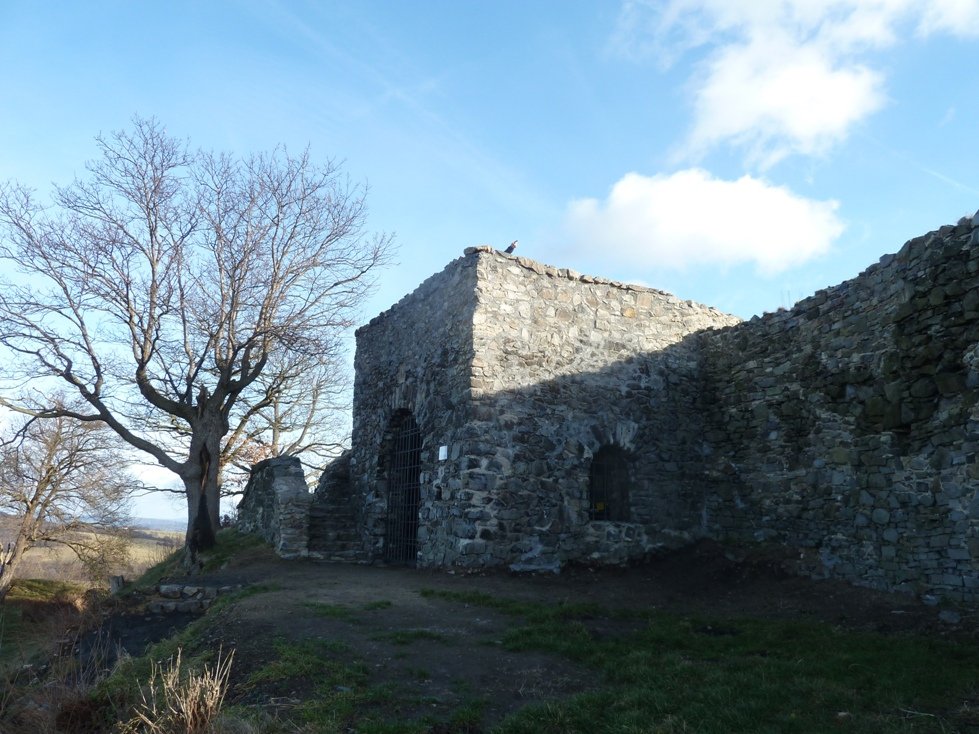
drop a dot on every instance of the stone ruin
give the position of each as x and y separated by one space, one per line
512 414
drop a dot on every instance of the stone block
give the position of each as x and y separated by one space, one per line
170 591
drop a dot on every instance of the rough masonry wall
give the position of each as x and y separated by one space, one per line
848 427
414 357
275 505
563 365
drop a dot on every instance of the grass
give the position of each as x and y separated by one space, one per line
232 544
56 562
678 674
229 544
406 637
372 606
529 610
316 658
332 611
44 591
344 612
28 618
650 671
340 691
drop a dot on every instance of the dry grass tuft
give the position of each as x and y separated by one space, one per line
178 703
58 695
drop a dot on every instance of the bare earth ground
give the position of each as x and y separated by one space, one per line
443 653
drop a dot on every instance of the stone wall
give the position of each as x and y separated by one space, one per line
566 364
275 505
521 372
848 427
414 358
335 516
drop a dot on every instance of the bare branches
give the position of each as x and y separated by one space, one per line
168 288
58 478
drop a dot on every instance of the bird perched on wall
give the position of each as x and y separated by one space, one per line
511 248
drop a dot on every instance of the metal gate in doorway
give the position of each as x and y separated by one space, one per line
404 473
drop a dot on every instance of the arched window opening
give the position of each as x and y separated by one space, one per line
609 485
404 490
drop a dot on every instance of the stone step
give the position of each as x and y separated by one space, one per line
342 522
349 556
175 597
332 531
335 547
337 517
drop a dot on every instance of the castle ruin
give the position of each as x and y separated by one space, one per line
511 414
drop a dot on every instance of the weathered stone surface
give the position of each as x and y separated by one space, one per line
275 504
881 374
847 425
522 372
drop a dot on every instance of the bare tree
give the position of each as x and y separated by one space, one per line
303 419
161 286
63 482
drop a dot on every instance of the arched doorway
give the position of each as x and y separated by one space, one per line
609 485
404 490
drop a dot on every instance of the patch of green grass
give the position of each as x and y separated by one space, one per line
379 604
418 673
169 566
343 696
316 659
468 717
344 700
16 639
230 543
331 611
41 590
406 637
513 607
32 612
713 677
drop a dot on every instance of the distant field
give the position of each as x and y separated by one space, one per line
57 563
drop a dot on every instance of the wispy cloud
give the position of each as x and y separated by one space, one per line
957 17
803 104
690 218
387 90
782 77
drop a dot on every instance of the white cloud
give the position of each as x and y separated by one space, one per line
690 218
782 77
958 17
803 104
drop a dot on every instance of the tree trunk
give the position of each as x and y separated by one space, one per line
10 558
203 496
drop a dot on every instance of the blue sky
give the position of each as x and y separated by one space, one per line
738 154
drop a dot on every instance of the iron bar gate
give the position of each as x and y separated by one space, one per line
404 492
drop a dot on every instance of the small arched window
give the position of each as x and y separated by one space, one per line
609 485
